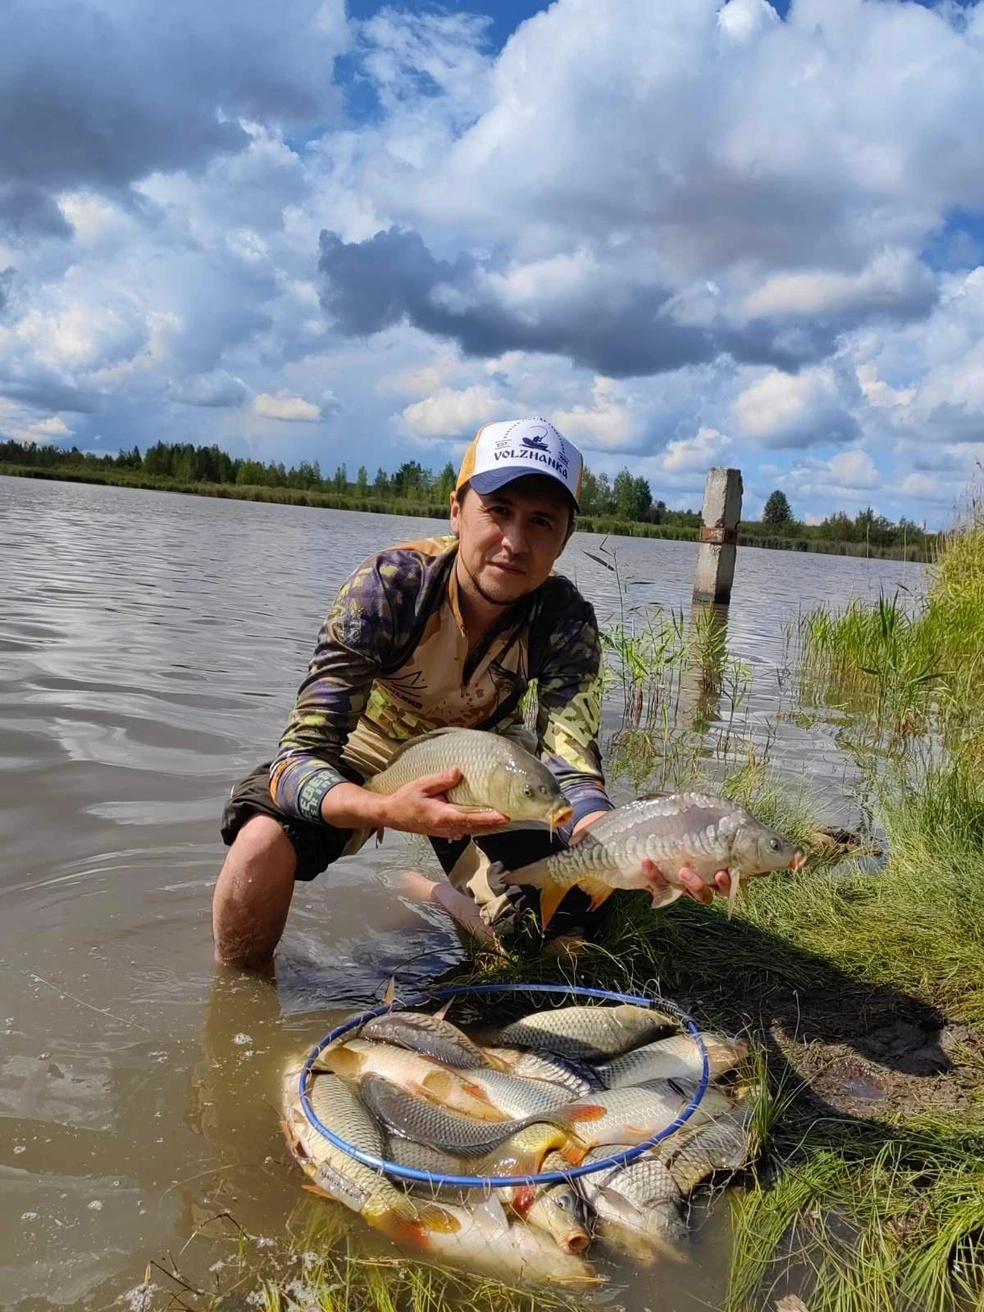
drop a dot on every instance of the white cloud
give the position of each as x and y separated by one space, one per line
456 415
607 424
704 449
894 282
794 410
291 409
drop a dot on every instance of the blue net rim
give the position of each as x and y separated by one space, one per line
437 1179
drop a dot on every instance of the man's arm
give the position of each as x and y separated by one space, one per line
356 639
351 647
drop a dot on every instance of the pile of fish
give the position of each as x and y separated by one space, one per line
553 1090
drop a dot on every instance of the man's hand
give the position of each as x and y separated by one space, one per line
421 807
693 885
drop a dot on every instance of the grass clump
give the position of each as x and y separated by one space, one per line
869 1220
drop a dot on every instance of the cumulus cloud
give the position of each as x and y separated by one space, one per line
794 410
611 322
606 424
103 93
290 409
707 447
451 414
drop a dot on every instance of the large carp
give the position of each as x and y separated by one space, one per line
497 774
684 831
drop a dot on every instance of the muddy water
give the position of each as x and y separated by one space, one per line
150 647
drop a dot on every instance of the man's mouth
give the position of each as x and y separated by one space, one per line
507 569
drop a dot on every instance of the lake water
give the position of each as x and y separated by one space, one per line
150 648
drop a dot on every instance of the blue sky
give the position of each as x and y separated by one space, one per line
699 232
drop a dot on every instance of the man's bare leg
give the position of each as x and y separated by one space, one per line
459 906
252 894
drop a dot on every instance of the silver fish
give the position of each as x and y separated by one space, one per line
675 1057
486 1242
410 1117
724 1145
428 1035
517 1096
704 833
586 1032
632 1115
410 1071
497 773
556 1208
639 1207
577 1077
337 1174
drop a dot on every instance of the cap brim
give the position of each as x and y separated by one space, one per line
492 479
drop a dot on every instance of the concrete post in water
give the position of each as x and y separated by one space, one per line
719 536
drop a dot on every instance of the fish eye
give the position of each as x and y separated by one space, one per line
775 844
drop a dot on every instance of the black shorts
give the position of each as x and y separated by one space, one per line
316 846
319 846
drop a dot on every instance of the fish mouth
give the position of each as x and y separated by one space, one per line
798 861
560 814
574 1241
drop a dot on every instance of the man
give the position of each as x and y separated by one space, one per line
446 631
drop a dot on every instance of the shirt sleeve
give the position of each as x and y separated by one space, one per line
569 710
353 643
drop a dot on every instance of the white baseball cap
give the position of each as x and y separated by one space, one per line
512 448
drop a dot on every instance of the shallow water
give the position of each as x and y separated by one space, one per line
150 648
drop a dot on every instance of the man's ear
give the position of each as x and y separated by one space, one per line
455 513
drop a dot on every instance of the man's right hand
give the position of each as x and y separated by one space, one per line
422 807
419 807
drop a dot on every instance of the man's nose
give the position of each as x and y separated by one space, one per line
515 538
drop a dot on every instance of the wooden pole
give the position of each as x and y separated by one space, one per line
719 536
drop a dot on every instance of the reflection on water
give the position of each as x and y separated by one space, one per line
150 648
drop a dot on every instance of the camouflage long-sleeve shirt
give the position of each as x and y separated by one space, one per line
393 662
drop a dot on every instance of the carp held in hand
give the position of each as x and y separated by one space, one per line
683 831
497 774
553 1090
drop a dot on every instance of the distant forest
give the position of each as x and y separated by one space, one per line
621 505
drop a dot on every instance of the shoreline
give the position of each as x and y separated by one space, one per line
431 510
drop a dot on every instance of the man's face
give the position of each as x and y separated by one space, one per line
509 540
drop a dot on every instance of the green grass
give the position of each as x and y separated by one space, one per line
867 1219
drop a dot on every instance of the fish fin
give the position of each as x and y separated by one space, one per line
523 1199
342 1061
596 890
624 1207
523 875
440 1086
318 1192
489 1213
443 1011
390 994
580 1112
550 899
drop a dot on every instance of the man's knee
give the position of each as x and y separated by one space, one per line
263 839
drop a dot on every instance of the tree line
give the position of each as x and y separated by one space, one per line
625 498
